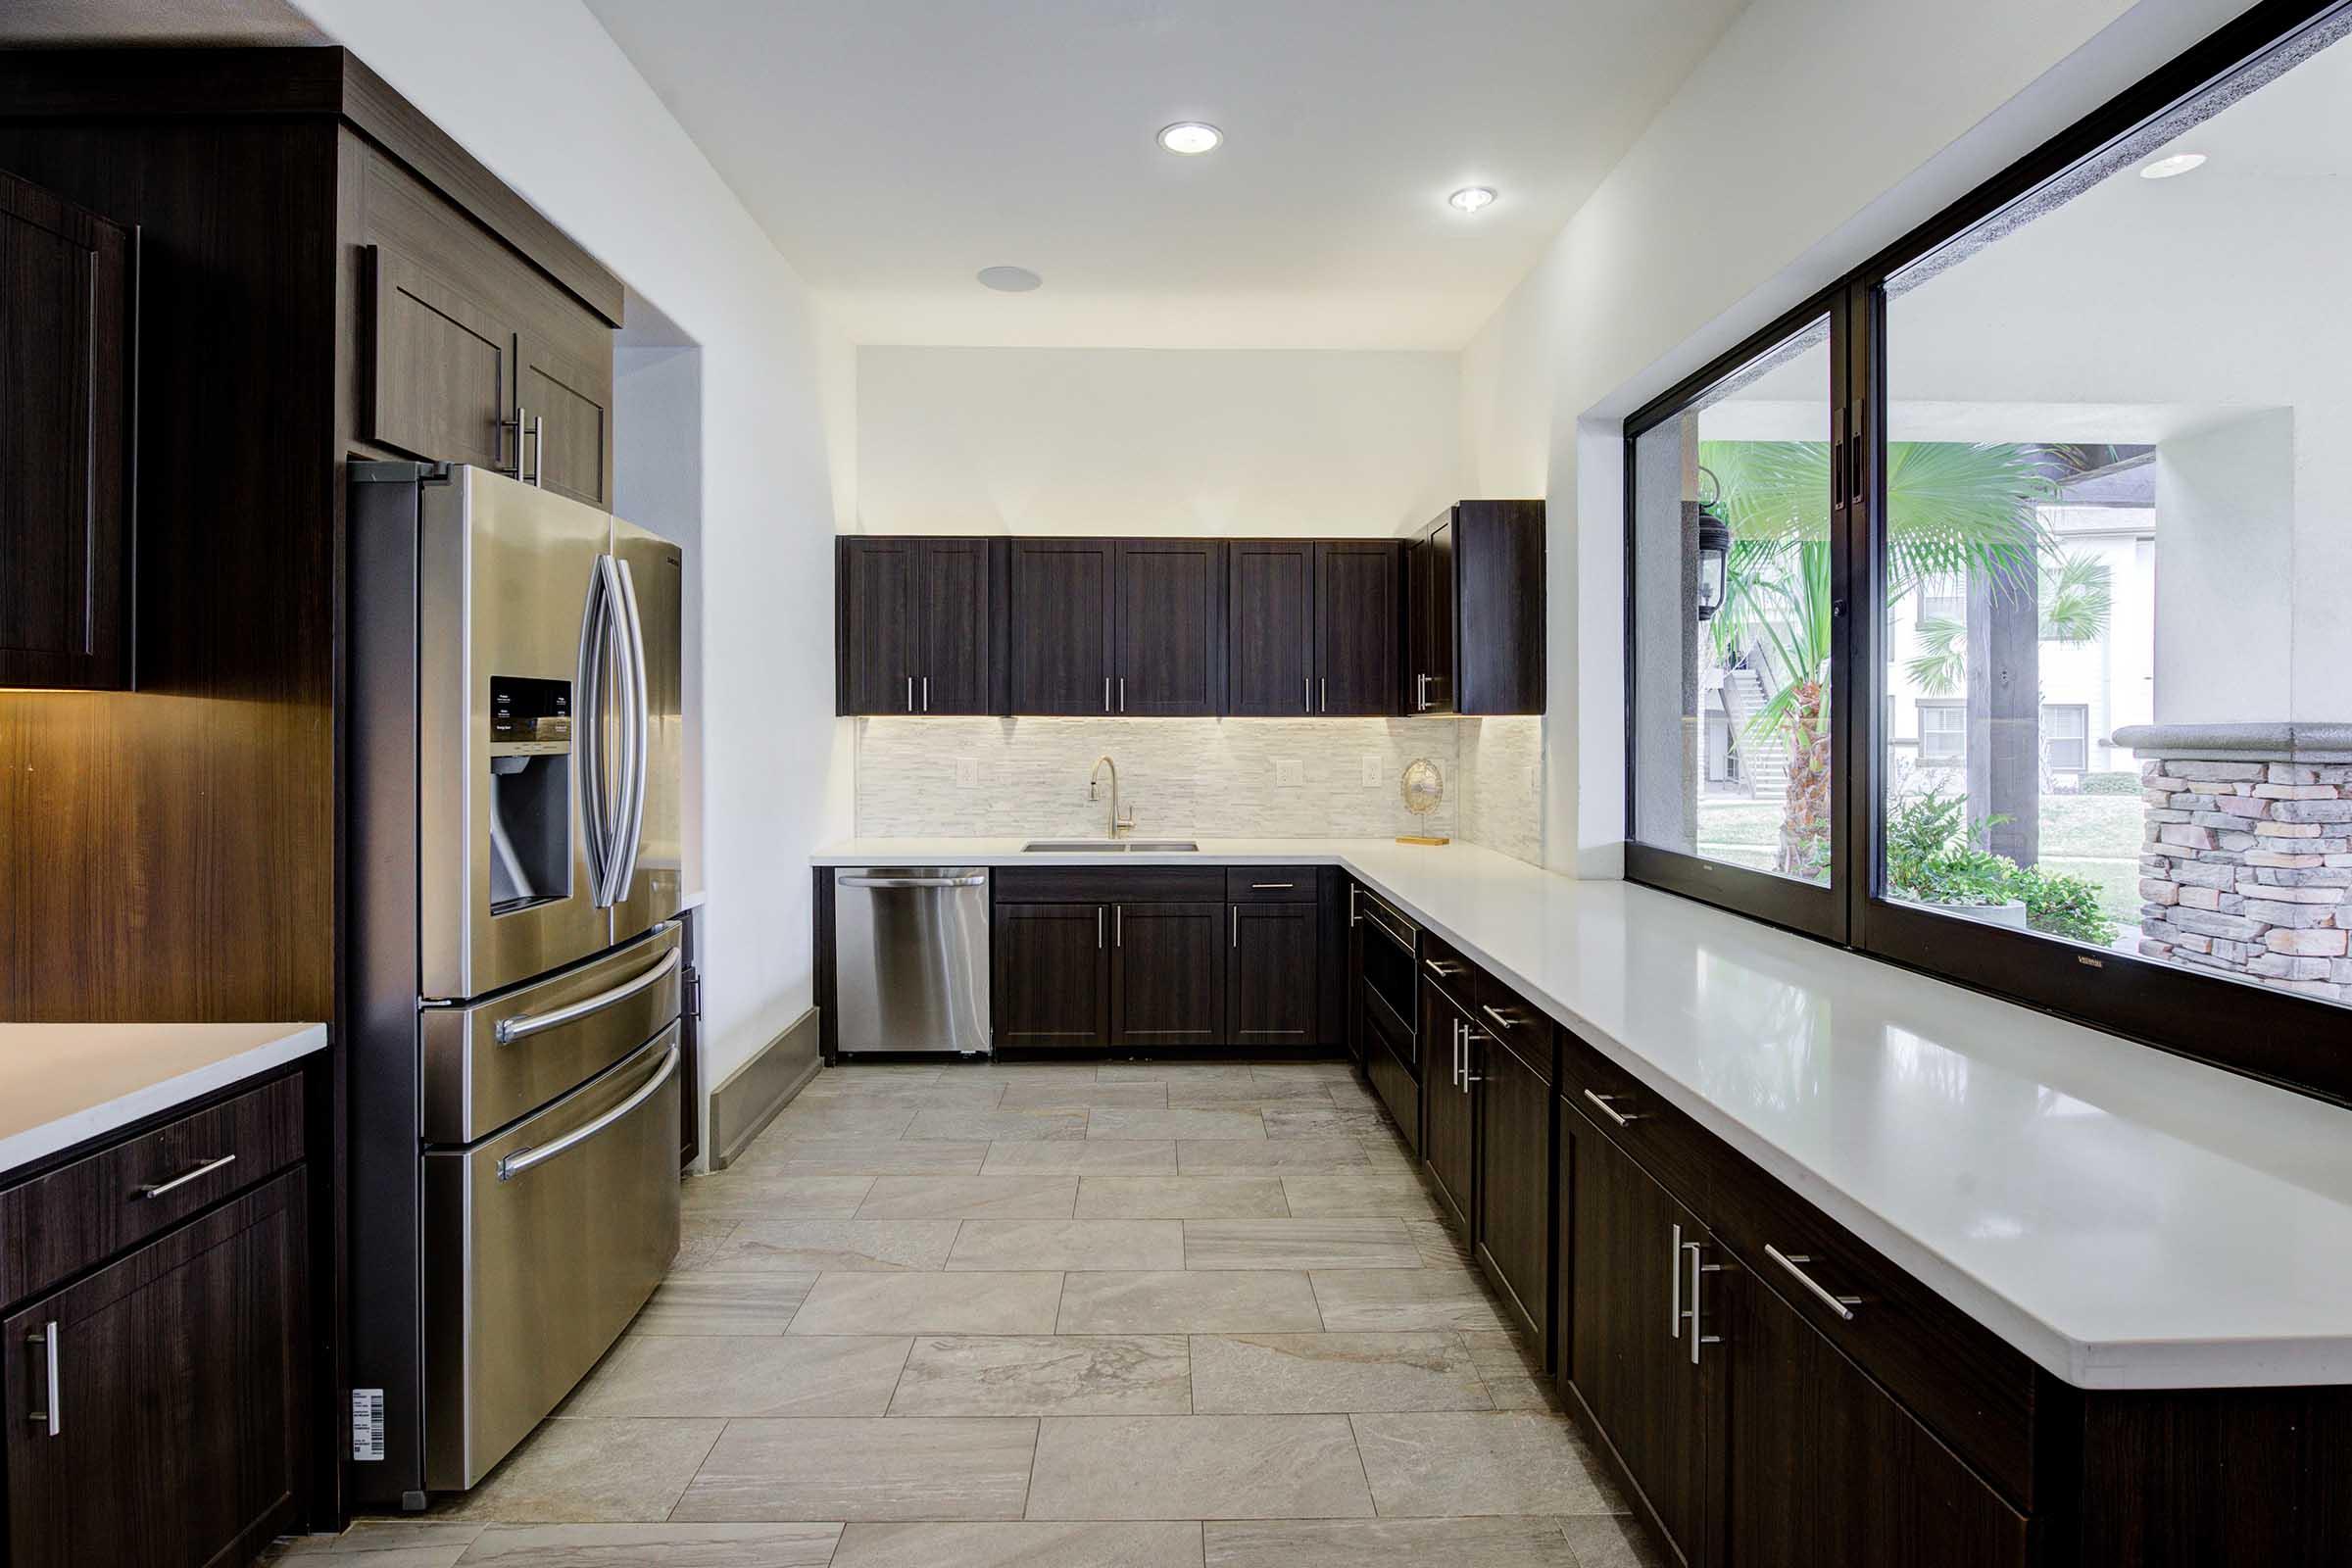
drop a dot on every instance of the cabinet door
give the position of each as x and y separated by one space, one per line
65 339
1826 1471
565 405
876 625
1429 619
1358 606
1169 965
1270 646
1512 1235
1061 625
1627 1351
1273 979
1169 620
444 368
1446 1118
956 669
1494 585
1052 975
179 1400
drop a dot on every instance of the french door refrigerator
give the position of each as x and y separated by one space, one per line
513 859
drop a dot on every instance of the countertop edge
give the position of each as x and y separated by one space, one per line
2089 1364
35 1143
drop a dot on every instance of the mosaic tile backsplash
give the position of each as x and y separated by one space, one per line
1203 777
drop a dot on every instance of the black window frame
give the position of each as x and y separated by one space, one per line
2294 1041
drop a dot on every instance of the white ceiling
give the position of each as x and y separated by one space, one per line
893 148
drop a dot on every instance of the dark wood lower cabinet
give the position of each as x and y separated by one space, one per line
1512 1235
1168 973
1627 1346
1449 1111
1824 1469
1272 979
1052 975
174 1431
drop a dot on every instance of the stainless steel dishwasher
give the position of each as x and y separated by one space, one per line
910 959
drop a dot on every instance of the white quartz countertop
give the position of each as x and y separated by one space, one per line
64 1083
2126 1218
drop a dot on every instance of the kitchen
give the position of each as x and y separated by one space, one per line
941 1062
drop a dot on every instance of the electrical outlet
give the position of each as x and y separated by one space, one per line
1289 771
1372 773
967 772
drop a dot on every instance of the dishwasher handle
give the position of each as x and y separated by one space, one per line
978 879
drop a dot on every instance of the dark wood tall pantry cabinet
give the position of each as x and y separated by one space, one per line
67 314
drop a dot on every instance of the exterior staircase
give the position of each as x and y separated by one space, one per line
1763 764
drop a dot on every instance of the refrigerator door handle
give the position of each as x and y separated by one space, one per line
637 723
588 730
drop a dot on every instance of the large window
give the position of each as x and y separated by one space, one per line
2079 456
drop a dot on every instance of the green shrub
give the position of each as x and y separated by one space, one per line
1933 857
2126 782
2061 906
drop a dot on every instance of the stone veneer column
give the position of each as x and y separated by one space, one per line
2246 864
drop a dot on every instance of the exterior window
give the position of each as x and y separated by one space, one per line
1942 733
1943 597
2066 738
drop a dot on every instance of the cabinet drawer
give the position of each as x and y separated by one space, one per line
1951 1373
1270 884
1443 967
1675 1149
61 1223
1110 884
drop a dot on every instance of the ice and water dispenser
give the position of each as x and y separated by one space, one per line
530 791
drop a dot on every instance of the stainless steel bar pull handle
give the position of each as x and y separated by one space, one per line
1698 1271
1441 969
48 1418
1123 693
1470 1036
926 694
1118 925
1235 911
595 788
523 1025
1501 1019
1106 694
1674 1287
201 1170
1323 692
1458 1054
638 720
1843 1306
1271 887
979 881
1621 1117
524 1160
1098 928
911 693
1421 694
538 451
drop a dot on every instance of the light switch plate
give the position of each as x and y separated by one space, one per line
1372 773
1289 771
967 772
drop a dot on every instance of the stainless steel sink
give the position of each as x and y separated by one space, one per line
1110 847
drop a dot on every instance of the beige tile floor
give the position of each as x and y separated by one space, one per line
1157 1315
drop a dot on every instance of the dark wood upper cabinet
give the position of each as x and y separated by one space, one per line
1272 975
1062 614
962 586
920 625
1169 627
1168 973
1270 641
444 368
1429 621
1475 614
1359 614
1052 975
880 641
179 1436
65 341
565 410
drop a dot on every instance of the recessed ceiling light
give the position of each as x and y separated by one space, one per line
1189 138
1010 279
1471 199
2167 167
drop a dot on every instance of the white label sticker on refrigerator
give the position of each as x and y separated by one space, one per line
366 1423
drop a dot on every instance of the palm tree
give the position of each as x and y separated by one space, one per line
1951 507
2077 600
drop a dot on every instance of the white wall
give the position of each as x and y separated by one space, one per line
1153 441
536 91
2226 574
1814 132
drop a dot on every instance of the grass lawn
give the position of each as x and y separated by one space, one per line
2095 837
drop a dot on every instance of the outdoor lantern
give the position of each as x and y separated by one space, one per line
1714 551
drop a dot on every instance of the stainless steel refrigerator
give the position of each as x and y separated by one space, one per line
513 960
